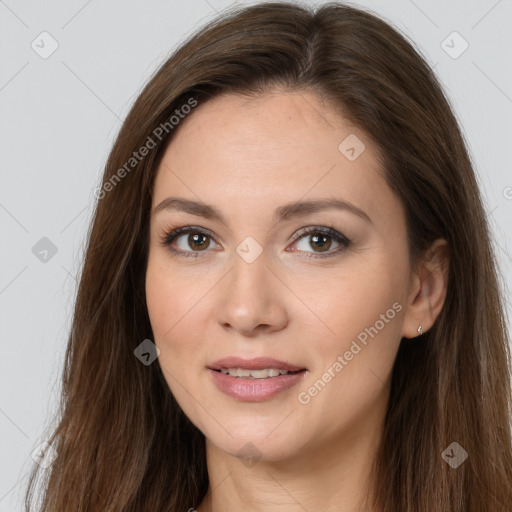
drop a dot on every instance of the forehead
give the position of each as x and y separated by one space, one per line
242 153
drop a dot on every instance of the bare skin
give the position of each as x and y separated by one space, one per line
309 450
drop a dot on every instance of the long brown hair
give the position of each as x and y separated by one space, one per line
122 441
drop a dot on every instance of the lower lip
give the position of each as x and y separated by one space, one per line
255 390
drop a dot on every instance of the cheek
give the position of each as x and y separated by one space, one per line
352 298
168 304
350 382
178 320
171 304
361 317
161 300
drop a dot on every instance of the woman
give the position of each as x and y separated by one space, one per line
289 299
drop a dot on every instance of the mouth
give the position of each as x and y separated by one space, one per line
255 380
254 364
265 373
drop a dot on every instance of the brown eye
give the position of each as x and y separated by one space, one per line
321 242
187 241
197 241
317 242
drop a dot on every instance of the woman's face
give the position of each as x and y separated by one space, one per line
270 273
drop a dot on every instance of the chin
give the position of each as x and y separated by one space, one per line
262 441
252 450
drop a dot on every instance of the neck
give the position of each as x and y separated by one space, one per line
332 476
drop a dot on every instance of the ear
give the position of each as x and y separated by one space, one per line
427 290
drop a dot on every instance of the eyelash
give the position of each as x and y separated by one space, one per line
169 237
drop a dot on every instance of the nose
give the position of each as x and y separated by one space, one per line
251 299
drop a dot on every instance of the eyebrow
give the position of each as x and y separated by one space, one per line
286 212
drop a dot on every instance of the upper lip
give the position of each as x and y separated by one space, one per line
257 363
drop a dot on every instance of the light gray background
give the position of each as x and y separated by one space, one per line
59 116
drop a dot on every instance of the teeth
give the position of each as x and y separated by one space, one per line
254 374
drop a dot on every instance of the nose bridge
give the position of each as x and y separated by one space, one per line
250 296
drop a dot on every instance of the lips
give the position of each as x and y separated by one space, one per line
250 389
255 390
258 363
